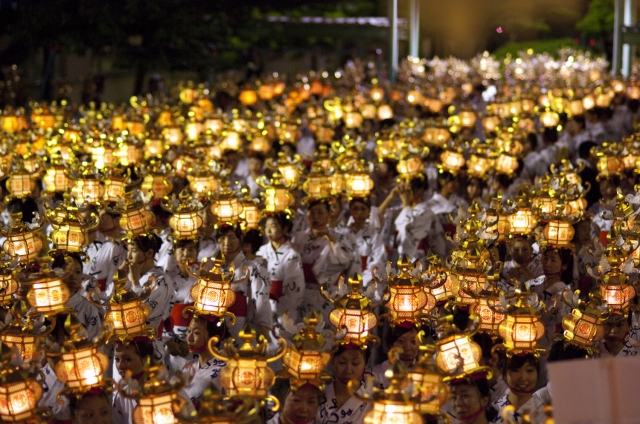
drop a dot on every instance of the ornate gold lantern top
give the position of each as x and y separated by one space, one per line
584 326
185 220
70 225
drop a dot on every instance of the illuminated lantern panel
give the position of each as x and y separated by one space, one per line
582 329
55 180
87 191
289 174
156 409
24 246
251 216
48 296
18 400
452 349
618 296
393 413
522 221
574 207
129 154
8 287
558 233
136 221
406 302
358 185
469 282
227 210
71 238
247 377
358 322
27 345
547 205
506 164
318 187
21 185
445 291
608 165
212 297
520 332
127 318
173 135
277 199
158 184
452 161
429 384
81 369
103 156
114 190
489 319
305 365
410 166
203 184
186 224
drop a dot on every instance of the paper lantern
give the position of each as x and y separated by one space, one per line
410 166
385 112
21 183
158 184
456 348
18 400
114 189
202 184
129 154
523 221
136 219
127 319
55 179
173 135
490 319
226 206
248 97
48 295
559 233
353 313
104 156
376 93
156 409
452 160
358 183
305 361
392 413
617 293
87 190
185 224
23 245
82 369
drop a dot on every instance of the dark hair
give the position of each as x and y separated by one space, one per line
148 241
419 182
27 206
550 135
366 351
584 149
364 200
579 119
254 238
160 213
282 388
144 348
215 328
398 331
281 218
502 250
518 361
532 138
223 230
59 259
482 384
315 202
75 401
561 351
445 177
181 243
566 258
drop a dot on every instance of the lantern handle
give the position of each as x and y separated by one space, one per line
276 403
214 350
282 347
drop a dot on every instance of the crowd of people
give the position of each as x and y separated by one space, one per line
465 178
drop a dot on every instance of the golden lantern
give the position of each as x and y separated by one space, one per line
559 233
247 371
193 128
202 176
136 218
248 97
82 365
156 178
524 218
129 150
103 153
609 159
226 206
230 140
353 312
457 353
87 185
318 183
410 166
216 408
21 182
70 227
522 328
115 183
22 242
8 285
376 93
157 400
615 290
185 220
22 335
173 135
545 198
549 119
212 294
395 404
432 392
303 359
385 112
436 136
584 326
250 216
276 196
288 168
20 391
12 122
47 294
497 220
126 315
468 118
414 97
442 292
352 120
452 160
358 182
154 146
406 296
55 180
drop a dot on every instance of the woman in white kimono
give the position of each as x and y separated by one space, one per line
338 406
403 335
105 251
93 407
326 256
252 295
204 369
471 400
418 228
446 201
365 225
175 338
621 338
142 271
521 373
298 405
557 265
285 267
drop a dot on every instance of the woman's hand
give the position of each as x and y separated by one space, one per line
405 194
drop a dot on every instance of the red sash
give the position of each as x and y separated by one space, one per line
363 262
176 316
449 229
103 284
309 276
603 237
239 308
277 290
424 245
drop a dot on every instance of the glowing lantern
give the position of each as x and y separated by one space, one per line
436 136
452 160
47 293
584 326
385 112
376 93
173 135
357 181
247 371
454 347
21 336
158 184
352 120
55 179
410 166
69 226
22 242
250 216
318 184
616 292
549 119
21 183
559 233
19 394
304 360
353 313
104 155
276 195
407 297
467 118
87 187
136 219
184 220
522 328
248 97
427 381
226 206
523 220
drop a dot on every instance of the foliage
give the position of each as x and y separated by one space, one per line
599 18
538 46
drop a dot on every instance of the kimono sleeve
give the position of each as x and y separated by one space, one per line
377 258
160 301
260 286
294 286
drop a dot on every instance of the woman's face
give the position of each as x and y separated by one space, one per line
74 274
136 255
255 166
187 253
318 216
335 208
197 334
524 378
301 406
128 359
583 232
551 263
349 365
466 400
495 254
273 230
93 410
607 189
521 251
229 243
408 342
359 211
108 224
474 189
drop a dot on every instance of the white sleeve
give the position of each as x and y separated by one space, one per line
260 286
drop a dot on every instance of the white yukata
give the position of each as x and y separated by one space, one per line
352 412
105 259
369 248
252 296
323 263
51 386
161 303
88 314
276 420
513 270
287 279
631 345
532 405
414 225
182 299
201 377
165 258
552 297
207 247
